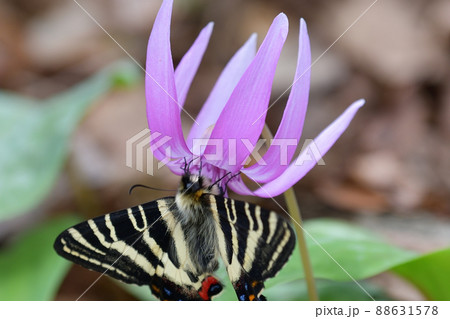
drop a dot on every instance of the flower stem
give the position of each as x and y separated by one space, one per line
294 212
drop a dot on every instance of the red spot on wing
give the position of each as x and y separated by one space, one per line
206 285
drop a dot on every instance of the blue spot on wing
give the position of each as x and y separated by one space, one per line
167 291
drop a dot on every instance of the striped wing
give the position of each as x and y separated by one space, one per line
142 245
254 243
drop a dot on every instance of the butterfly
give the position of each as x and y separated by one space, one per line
173 244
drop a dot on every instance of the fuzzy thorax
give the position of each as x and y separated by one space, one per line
189 196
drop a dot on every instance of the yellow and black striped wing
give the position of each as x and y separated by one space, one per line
142 245
254 243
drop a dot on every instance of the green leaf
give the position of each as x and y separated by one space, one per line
340 251
429 273
30 269
34 137
327 290
228 293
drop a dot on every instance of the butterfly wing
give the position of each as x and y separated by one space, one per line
254 243
141 245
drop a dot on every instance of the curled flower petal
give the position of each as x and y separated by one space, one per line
222 89
244 114
188 66
279 154
304 163
233 116
162 106
238 186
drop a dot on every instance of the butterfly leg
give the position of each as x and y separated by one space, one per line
248 289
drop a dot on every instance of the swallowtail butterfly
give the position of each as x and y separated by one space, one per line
173 244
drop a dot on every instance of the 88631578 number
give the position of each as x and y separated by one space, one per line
407 310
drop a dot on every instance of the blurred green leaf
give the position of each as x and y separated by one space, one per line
34 137
328 291
228 292
340 251
429 273
30 269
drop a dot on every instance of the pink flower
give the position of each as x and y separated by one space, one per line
232 118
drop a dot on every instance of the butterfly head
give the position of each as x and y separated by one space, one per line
191 190
194 186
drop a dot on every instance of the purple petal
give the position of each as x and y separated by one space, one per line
186 69
238 186
162 107
279 154
306 160
222 89
244 114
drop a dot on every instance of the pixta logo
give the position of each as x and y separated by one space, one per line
138 151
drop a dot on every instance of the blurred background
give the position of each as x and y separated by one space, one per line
389 172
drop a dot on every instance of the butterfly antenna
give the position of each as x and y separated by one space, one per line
200 168
218 181
149 187
232 176
185 166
